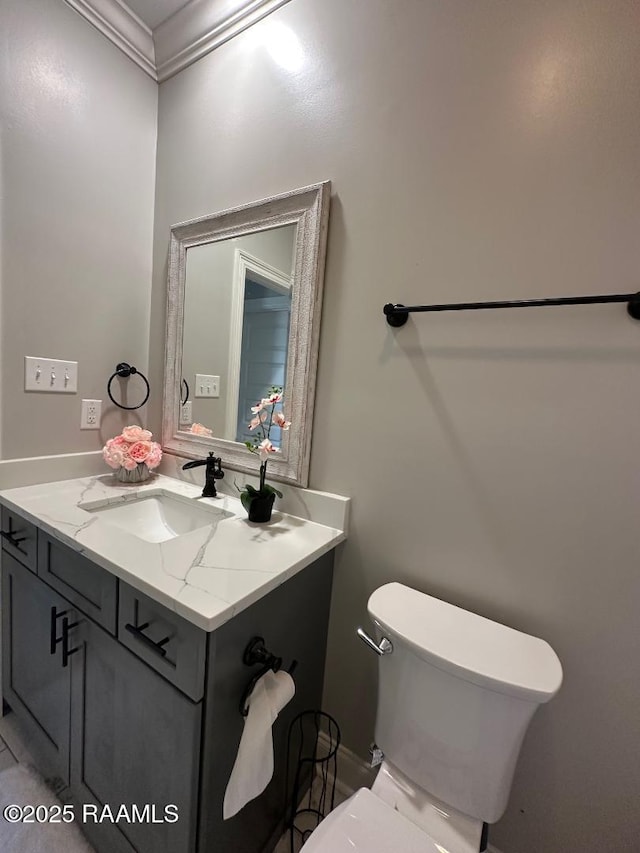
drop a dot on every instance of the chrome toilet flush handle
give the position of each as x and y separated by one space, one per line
385 647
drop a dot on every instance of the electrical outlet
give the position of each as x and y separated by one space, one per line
91 412
186 413
207 386
50 375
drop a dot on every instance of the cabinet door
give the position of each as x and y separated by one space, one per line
35 684
86 585
135 739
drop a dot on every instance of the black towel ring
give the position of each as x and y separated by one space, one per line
186 392
125 370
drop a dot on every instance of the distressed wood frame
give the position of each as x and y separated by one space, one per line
308 208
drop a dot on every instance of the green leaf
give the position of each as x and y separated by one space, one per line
251 490
245 500
271 490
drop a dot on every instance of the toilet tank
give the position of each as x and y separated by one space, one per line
455 697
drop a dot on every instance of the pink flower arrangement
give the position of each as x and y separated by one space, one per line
132 448
200 429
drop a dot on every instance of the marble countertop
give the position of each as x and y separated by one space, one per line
207 575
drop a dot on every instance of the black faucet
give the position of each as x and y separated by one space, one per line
214 472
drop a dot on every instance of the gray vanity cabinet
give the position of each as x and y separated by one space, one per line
135 739
34 683
136 705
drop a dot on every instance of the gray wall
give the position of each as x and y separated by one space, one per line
77 170
477 151
207 313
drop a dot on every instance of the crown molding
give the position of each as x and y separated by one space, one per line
195 30
119 24
200 27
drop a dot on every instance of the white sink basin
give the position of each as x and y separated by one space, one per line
159 516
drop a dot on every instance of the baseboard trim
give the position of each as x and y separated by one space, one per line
353 771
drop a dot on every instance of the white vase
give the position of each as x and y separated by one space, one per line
137 475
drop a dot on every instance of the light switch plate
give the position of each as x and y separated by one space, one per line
50 375
186 413
207 386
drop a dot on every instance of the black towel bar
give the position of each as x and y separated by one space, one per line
398 314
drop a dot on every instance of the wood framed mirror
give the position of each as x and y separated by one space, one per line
244 301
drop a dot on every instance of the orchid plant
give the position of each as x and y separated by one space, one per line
265 417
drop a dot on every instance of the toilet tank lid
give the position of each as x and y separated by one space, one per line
473 648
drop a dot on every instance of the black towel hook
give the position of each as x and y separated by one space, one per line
125 370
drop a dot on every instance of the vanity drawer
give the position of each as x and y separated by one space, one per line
20 538
172 646
89 587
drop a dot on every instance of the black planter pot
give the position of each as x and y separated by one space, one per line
261 507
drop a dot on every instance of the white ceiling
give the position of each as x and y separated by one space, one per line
154 12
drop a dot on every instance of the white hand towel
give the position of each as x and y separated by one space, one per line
253 769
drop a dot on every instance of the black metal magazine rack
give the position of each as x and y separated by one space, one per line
312 760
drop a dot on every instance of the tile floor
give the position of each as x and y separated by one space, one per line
7 758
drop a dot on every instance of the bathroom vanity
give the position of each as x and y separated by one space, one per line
123 646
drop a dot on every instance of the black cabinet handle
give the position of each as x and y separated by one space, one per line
66 651
10 537
53 640
137 631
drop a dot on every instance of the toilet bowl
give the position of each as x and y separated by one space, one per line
456 695
364 822
369 822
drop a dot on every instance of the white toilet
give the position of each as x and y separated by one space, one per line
456 694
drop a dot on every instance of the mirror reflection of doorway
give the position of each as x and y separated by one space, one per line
263 363
225 282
